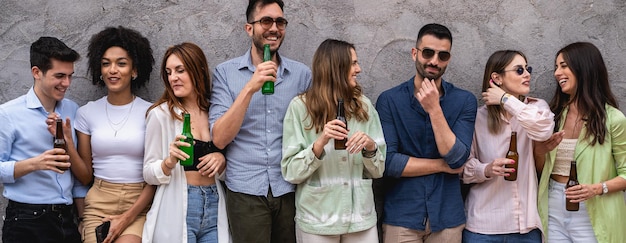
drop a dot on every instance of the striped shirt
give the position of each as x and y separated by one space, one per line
494 205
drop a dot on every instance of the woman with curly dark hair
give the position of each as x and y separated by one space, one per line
110 134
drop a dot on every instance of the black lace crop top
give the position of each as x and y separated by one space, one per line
201 148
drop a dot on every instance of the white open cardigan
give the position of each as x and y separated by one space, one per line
166 221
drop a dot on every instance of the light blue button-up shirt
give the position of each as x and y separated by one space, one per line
23 135
253 158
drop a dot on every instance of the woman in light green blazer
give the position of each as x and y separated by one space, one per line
592 131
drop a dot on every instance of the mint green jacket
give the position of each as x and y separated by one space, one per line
334 193
595 164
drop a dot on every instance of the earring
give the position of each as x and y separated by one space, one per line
101 78
134 77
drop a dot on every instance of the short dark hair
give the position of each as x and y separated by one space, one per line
252 4
46 48
439 31
137 46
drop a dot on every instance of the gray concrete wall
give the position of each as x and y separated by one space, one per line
383 30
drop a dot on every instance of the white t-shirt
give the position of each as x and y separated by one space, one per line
117 138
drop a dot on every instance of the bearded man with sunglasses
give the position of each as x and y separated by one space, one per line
260 204
428 125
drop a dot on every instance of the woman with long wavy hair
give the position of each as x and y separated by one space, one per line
592 132
334 198
185 206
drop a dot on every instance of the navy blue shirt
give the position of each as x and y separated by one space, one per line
410 201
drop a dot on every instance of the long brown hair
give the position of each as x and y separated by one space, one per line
496 63
331 67
196 65
593 90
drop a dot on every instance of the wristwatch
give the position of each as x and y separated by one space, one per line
504 98
605 189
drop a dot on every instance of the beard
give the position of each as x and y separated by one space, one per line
258 41
421 70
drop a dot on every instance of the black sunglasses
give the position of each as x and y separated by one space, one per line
428 53
267 22
520 70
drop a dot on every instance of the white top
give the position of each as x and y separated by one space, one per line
117 138
166 221
564 156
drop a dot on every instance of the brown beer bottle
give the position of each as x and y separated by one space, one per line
573 180
341 115
59 139
512 154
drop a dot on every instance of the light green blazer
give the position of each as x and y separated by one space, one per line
595 164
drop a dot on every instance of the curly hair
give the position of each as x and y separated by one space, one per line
137 46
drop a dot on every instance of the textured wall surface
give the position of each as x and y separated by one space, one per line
383 31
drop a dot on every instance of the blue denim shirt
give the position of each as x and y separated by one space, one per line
253 157
23 135
410 201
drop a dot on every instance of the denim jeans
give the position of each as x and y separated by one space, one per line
563 225
202 214
534 236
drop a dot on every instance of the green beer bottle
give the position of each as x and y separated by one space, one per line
268 86
189 139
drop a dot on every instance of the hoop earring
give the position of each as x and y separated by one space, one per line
101 78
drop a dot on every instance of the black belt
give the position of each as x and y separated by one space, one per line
47 207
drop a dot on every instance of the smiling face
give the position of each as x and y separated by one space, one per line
261 36
431 68
117 69
51 86
564 76
355 69
512 82
179 78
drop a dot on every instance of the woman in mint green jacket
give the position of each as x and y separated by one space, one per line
592 131
334 198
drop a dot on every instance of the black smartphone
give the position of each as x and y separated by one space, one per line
102 231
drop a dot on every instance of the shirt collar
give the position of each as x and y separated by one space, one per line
246 62
32 101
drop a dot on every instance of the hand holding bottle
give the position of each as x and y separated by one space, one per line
175 153
497 168
265 71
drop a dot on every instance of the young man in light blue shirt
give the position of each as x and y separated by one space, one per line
260 203
40 207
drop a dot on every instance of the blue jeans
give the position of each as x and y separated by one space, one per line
534 236
202 214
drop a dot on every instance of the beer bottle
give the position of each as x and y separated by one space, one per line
512 154
59 139
268 86
341 115
189 139
573 180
